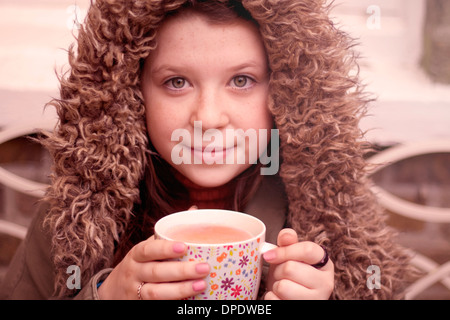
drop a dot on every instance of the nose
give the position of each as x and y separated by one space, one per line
210 109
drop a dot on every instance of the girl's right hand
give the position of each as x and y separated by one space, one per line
163 280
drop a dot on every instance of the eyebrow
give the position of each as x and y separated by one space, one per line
167 67
180 68
248 64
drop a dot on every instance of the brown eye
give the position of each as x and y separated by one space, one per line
240 81
178 83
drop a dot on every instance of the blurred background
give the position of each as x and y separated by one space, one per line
405 63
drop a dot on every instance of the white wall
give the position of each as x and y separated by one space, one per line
410 106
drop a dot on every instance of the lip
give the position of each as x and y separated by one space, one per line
212 148
213 153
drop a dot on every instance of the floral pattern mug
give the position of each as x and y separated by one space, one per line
235 267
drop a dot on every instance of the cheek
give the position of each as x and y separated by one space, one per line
265 122
158 129
261 116
261 108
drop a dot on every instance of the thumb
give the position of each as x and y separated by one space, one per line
287 237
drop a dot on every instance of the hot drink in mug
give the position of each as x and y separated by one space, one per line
230 242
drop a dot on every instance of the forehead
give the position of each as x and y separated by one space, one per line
194 35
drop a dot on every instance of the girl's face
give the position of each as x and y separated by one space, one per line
203 82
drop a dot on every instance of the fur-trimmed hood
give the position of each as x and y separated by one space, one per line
100 145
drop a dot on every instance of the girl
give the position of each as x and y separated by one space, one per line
145 69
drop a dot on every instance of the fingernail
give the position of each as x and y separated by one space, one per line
202 268
270 255
199 285
179 247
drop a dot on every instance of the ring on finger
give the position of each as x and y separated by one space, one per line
324 259
139 290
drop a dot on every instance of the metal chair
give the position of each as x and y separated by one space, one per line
18 183
434 272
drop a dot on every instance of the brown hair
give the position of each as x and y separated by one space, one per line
315 98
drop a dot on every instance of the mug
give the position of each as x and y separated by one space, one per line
235 267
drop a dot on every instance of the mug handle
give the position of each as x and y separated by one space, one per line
267 246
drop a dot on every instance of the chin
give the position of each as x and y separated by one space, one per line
211 176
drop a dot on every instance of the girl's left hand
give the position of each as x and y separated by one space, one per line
291 274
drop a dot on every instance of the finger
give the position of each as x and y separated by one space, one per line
172 291
306 251
289 290
298 272
303 274
170 271
287 237
194 207
151 250
270 296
